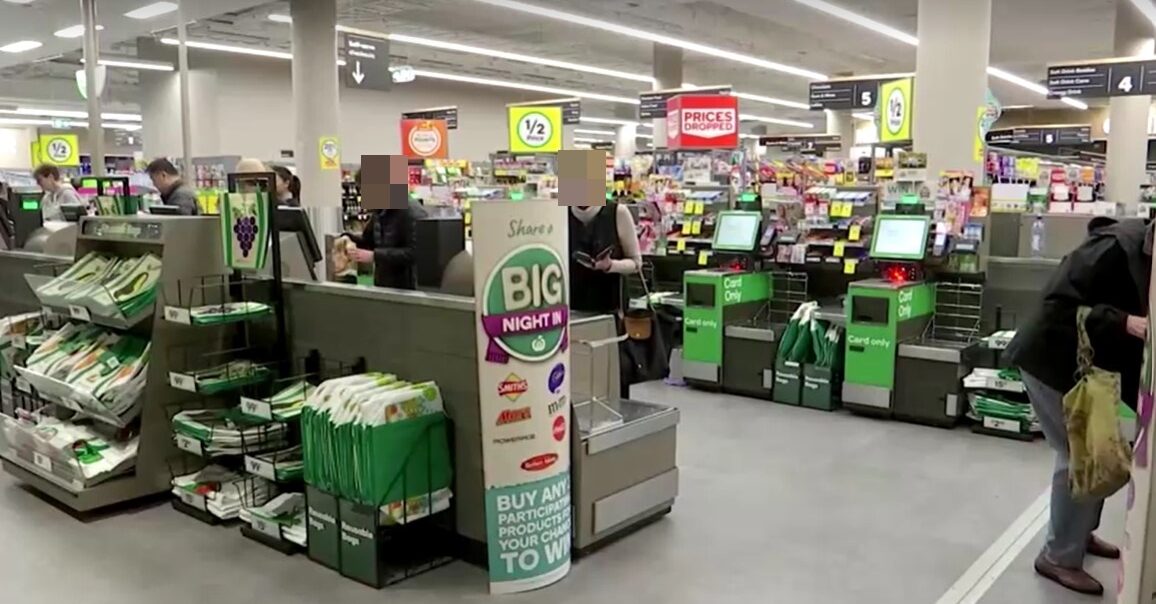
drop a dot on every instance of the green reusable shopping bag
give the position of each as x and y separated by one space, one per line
1100 460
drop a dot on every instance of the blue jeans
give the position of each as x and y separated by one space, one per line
1072 521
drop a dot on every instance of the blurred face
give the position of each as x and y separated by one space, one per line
46 183
162 181
282 185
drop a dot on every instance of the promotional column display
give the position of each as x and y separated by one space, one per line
521 283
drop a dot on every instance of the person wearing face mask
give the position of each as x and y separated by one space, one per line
288 187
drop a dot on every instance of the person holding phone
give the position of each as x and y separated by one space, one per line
603 248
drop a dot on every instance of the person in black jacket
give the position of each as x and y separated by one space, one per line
389 239
1109 272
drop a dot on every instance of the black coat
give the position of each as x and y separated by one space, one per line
1108 272
392 235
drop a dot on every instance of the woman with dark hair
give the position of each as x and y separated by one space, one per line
288 187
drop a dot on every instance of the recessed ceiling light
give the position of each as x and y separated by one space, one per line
149 11
594 132
75 31
134 63
631 32
21 46
242 50
19 1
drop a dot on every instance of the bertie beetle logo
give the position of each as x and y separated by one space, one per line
524 311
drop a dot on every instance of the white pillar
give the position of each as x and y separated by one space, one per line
1128 138
950 81
160 103
315 103
92 92
625 141
842 124
667 74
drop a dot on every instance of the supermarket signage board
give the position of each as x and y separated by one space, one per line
425 139
848 93
1041 135
818 143
521 274
367 63
652 105
58 150
534 128
896 110
449 114
702 121
571 108
1101 79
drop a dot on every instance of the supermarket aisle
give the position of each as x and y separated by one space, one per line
778 504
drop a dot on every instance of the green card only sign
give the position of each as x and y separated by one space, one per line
523 338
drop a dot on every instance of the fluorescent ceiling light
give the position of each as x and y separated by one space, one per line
643 135
652 37
134 63
774 120
613 121
594 132
860 20
1017 80
276 18
1069 101
27 121
1146 8
580 139
421 73
66 113
75 31
149 11
748 136
21 46
746 96
243 50
863 115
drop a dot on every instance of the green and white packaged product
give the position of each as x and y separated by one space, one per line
288 402
285 511
85 271
78 454
225 492
245 230
229 432
212 314
230 376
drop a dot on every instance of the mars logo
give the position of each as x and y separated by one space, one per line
513 387
513 416
709 123
524 312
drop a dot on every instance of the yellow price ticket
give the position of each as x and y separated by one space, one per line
680 245
686 226
696 228
702 256
839 245
854 233
849 266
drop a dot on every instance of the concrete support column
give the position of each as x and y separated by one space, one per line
841 124
315 101
1128 137
950 81
667 72
625 141
92 91
161 107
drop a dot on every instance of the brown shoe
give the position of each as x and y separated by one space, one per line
1074 579
1100 548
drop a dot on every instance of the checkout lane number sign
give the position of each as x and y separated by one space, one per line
535 129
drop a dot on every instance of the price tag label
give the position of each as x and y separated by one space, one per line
686 226
999 423
466 218
79 313
266 527
192 499
696 227
189 444
182 381
849 266
680 245
699 208
177 314
42 461
256 408
19 342
854 232
702 258
839 248
260 467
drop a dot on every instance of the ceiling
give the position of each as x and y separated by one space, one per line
1026 35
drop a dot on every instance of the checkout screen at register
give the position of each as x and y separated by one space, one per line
900 237
737 231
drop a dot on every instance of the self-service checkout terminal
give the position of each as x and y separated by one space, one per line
884 312
732 292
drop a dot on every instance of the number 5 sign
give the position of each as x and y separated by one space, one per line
58 150
535 129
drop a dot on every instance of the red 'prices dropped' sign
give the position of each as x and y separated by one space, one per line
701 121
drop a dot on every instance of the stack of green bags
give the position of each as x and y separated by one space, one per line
230 376
229 432
376 440
991 405
106 285
289 401
807 339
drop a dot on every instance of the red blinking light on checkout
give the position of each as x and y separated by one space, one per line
895 274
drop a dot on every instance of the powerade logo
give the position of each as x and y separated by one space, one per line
524 312
710 123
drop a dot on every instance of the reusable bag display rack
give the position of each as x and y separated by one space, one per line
180 244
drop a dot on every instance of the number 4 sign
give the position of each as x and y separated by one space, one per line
535 129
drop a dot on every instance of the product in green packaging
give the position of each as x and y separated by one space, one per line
230 376
229 432
223 313
245 229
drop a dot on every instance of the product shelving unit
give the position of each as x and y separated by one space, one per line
180 244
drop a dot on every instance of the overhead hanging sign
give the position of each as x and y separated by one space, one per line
367 63
1099 79
534 129
702 121
571 108
896 109
652 105
425 139
818 143
58 150
449 114
1041 135
849 93
521 267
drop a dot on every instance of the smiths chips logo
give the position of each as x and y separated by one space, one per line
513 387
709 123
513 416
524 312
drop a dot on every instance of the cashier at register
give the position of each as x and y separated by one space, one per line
57 192
389 239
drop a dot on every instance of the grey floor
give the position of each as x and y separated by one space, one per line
778 504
